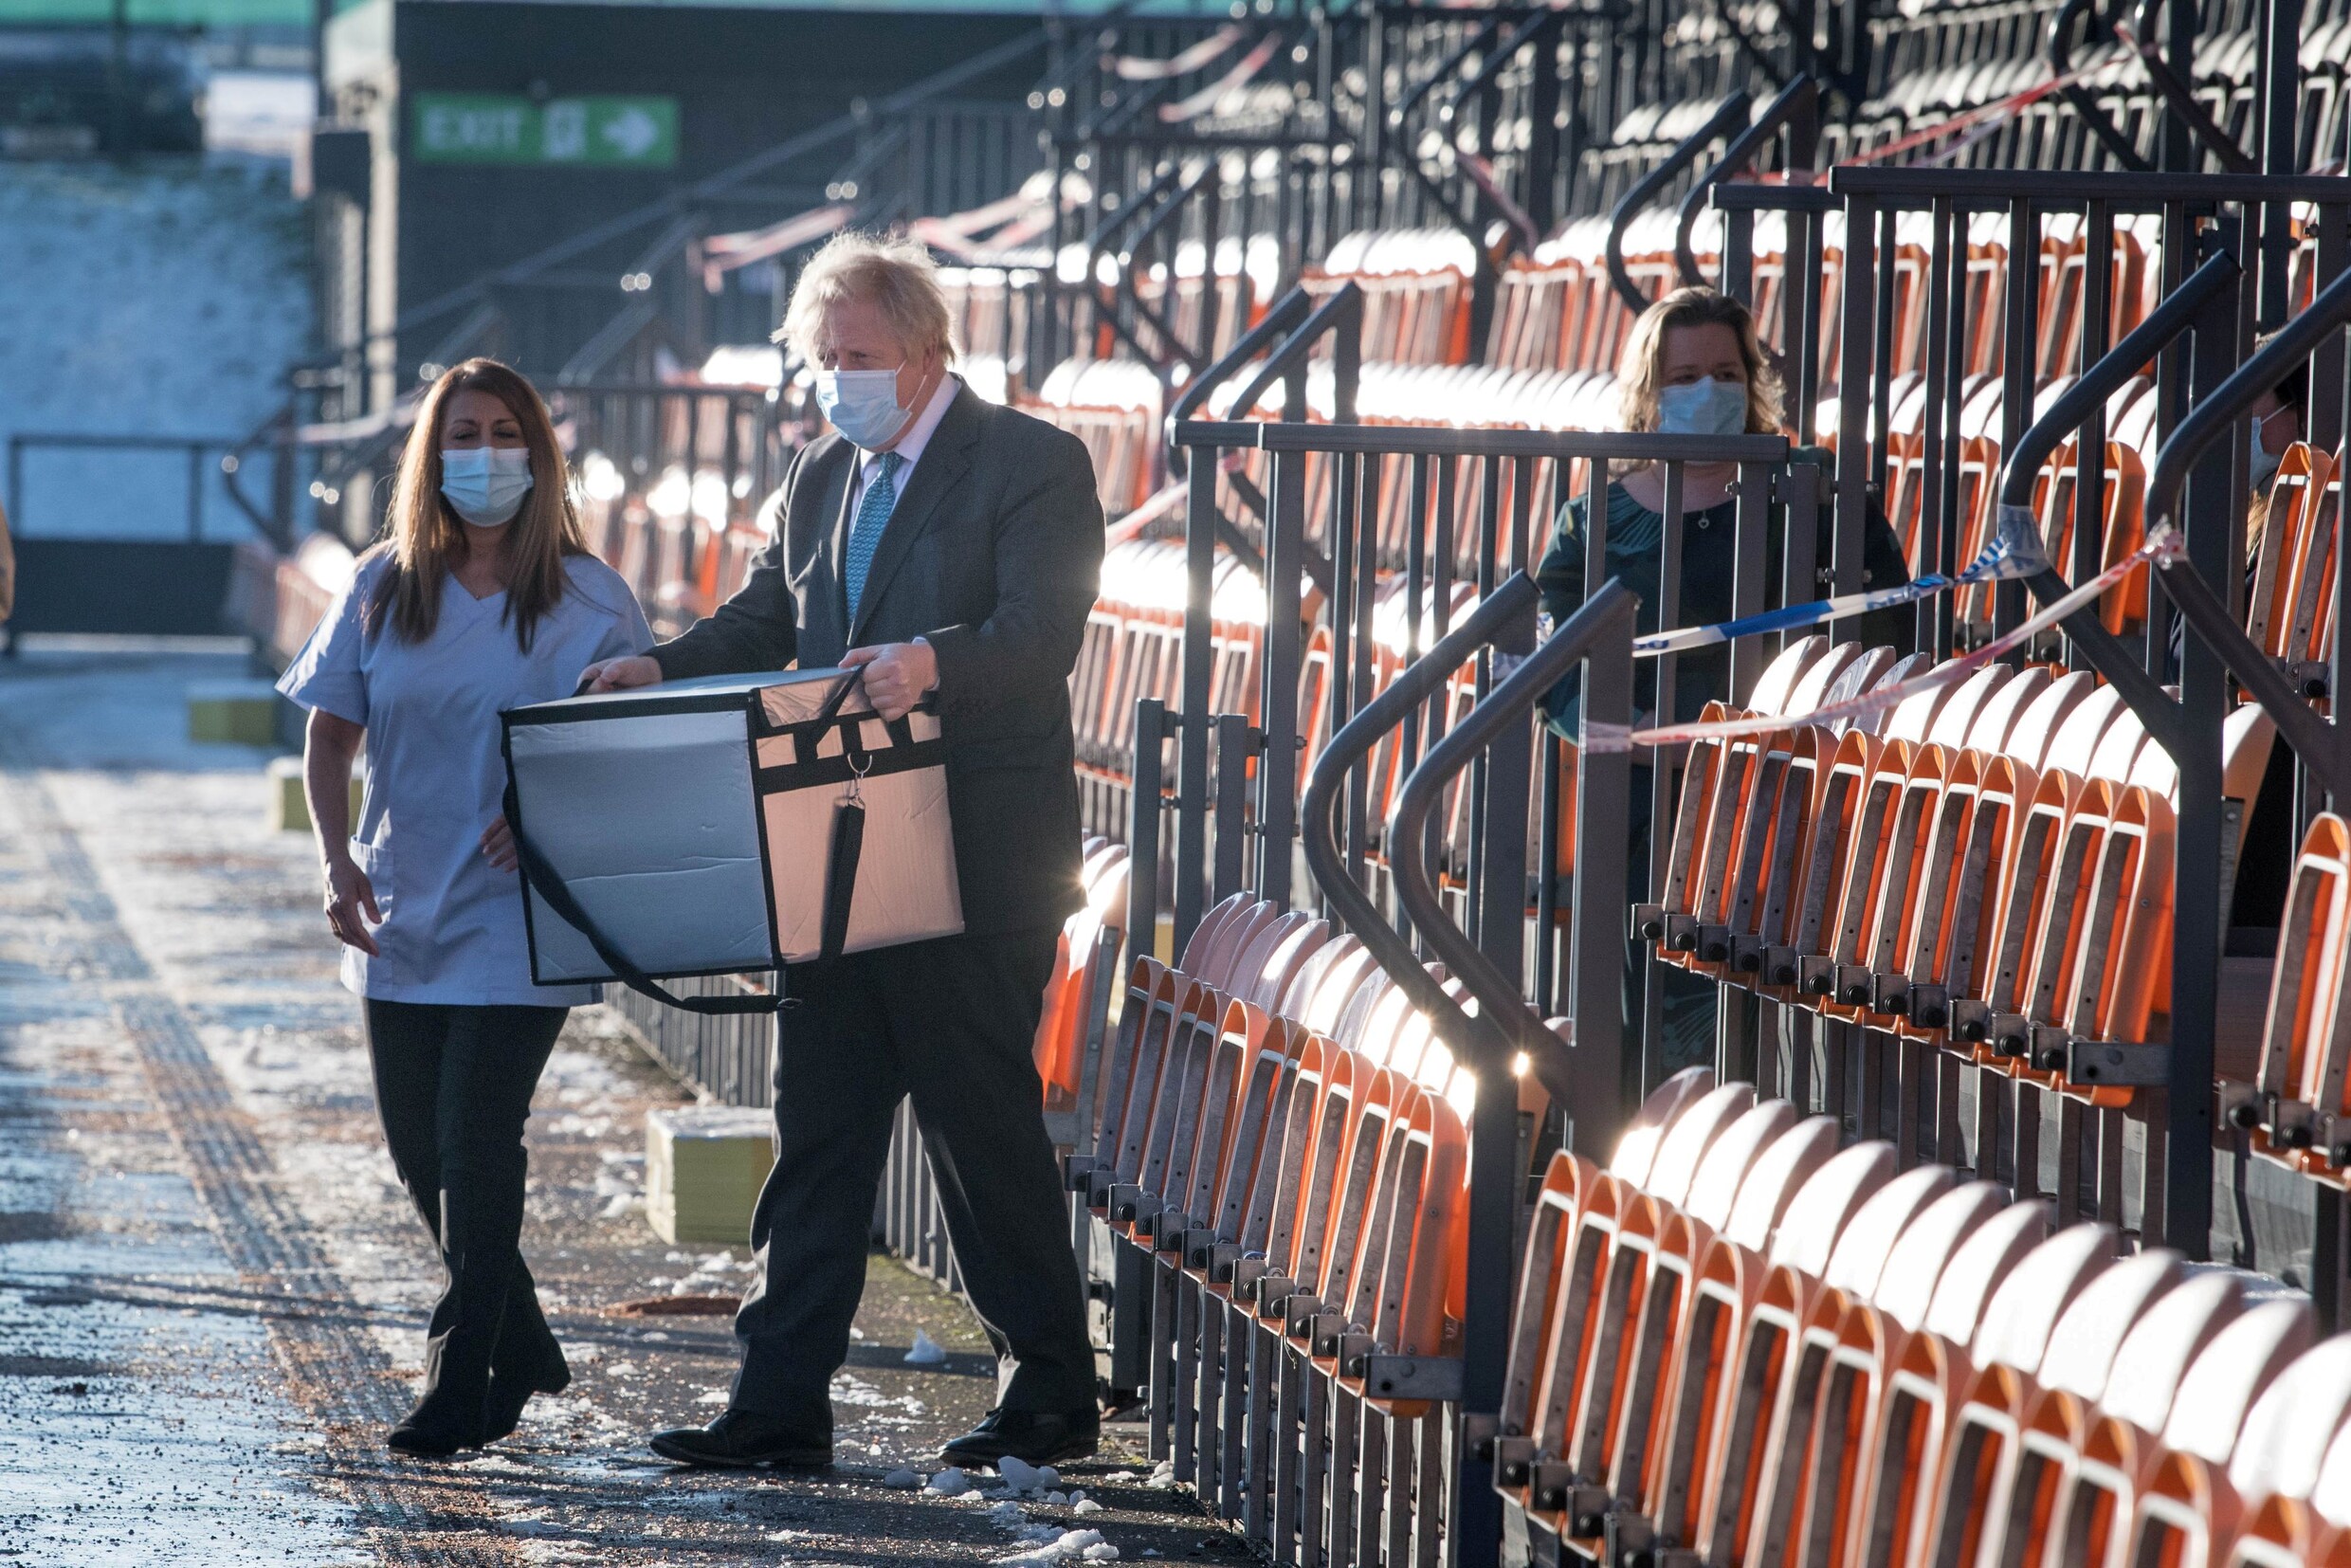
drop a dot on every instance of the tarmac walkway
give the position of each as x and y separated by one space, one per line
211 1289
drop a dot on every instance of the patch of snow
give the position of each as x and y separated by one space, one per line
1085 1505
949 1483
927 1351
1069 1546
905 1481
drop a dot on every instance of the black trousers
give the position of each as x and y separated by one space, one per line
951 1023
453 1086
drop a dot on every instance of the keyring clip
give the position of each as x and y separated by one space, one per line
859 766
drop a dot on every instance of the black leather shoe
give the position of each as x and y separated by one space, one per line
738 1440
1033 1436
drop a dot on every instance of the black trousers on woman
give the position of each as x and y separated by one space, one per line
453 1086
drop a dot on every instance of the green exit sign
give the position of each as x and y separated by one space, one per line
587 133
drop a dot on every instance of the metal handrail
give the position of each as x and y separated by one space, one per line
1520 36
2181 99
1451 62
1734 110
1801 95
1127 289
1610 610
2085 106
2228 403
2310 737
1344 307
2173 315
2120 191
1282 316
1326 788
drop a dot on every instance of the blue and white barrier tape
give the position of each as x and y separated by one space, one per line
2016 550
2163 545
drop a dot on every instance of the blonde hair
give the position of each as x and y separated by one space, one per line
424 533
890 272
1642 369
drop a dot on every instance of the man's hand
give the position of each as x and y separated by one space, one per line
634 669
497 844
897 674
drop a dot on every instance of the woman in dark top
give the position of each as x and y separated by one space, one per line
1693 366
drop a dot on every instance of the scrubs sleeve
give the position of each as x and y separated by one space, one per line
627 633
326 675
624 630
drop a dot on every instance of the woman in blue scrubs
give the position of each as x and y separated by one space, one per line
482 597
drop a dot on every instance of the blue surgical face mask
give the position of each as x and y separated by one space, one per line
485 484
863 406
1704 407
2264 462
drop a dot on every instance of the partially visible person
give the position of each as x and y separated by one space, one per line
482 597
2277 418
1693 366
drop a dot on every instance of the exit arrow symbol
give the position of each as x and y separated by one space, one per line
632 132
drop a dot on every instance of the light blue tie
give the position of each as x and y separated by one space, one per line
873 515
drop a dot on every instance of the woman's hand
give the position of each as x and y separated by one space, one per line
351 904
497 844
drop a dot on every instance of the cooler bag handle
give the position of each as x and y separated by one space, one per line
558 898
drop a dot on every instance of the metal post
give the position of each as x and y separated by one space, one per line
2197 918
1277 771
1142 833
1496 1177
1853 453
1543 107
2020 301
2277 100
1192 776
1231 834
1607 1074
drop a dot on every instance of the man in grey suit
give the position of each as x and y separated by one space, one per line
953 549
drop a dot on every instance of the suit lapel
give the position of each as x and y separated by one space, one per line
945 461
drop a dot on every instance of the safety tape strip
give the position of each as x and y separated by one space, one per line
2163 545
2016 550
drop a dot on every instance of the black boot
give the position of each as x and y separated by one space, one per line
447 1418
511 1389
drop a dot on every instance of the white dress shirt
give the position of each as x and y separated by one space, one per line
909 448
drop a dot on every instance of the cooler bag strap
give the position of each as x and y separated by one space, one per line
557 897
838 695
848 843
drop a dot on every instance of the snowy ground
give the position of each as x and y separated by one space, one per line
210 1290
166 298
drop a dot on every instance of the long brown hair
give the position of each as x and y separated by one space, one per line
1643 359
424 533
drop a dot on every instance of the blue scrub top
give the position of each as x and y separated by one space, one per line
452 929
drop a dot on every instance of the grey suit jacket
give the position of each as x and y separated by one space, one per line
993 556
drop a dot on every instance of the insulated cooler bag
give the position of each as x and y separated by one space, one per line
723 825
